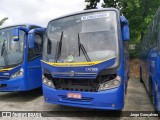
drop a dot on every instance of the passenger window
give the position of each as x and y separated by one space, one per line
158 29
37 50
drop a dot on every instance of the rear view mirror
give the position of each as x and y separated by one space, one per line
125 29
125 33
31 40
16 34
31 35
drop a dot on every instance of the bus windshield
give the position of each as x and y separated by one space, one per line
11 52
85 37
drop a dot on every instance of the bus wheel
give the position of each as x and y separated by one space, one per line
140 75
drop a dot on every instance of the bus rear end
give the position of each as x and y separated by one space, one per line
84 61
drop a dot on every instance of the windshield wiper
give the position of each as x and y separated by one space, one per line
4 53
2 48
58 48
81 47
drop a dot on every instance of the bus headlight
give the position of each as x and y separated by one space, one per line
47 82
18 74
110 84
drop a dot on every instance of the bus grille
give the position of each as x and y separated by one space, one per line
4 77
83 85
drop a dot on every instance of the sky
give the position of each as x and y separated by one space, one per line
38 12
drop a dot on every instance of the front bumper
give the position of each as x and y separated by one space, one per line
16 84
112 99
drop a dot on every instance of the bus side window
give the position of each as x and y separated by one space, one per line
158 29
37 50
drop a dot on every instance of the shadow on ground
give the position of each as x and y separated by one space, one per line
25 96
53 110
65 111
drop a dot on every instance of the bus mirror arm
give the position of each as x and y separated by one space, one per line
16 32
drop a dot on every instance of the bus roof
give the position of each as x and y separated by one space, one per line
29 26
87 11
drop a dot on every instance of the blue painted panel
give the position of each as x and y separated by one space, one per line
35 73
81 69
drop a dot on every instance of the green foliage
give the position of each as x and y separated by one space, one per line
135 52
112 3
3 20
139 13
92 4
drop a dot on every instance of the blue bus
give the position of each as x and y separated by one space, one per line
85 60
150 60
20 66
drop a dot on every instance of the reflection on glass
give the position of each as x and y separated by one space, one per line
11 52
97 33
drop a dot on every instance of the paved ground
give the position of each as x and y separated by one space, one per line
136 100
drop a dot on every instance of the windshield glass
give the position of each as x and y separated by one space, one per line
84 37
11 52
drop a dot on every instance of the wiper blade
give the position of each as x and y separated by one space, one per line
2 48
81 46
4 53
58 48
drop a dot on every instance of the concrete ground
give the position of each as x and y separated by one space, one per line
136 100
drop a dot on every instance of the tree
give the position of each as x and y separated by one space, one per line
92 4
112 3
3 20
139 13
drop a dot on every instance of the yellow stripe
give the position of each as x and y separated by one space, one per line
15 37
73 64
6 69
76 63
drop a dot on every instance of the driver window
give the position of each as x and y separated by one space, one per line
37 50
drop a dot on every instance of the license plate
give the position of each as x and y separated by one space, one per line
74 95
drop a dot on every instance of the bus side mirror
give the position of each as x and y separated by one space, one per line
125 32
31 35
31 40
16 34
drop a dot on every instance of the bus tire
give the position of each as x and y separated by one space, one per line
140 75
